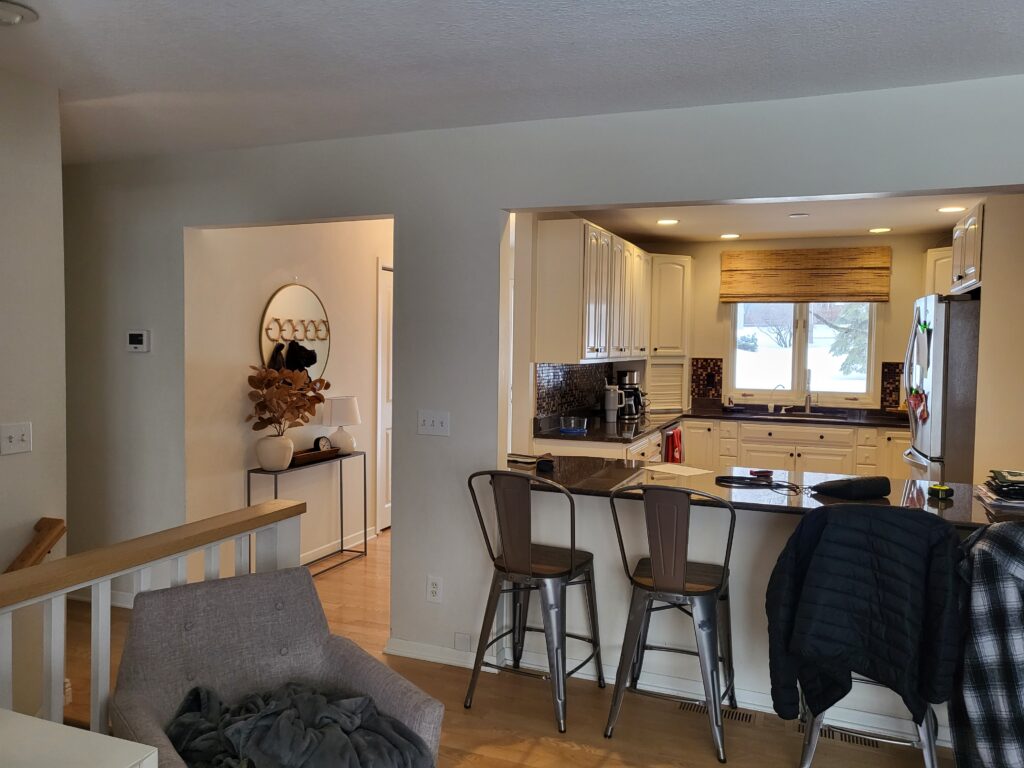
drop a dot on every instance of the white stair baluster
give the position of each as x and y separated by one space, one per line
212 570
6 661
100 693
54 623
243 562
142 580
179 571
266 549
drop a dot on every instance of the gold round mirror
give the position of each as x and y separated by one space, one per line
294 332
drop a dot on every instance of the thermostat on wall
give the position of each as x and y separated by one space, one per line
138 341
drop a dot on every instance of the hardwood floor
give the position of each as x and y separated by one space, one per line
511 723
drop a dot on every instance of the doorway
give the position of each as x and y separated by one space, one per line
385 335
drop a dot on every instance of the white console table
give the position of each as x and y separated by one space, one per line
32 742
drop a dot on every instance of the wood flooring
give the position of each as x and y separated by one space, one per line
511 723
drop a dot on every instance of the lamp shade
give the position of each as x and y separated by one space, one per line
341 411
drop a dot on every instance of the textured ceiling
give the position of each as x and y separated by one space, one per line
768 221
157 76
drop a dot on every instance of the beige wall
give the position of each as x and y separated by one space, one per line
229 276
32 384
1000 426
447 190
713 321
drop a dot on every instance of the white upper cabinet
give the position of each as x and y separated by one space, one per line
938 276
670 306
967 245
591 299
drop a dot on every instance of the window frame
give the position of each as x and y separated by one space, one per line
795 395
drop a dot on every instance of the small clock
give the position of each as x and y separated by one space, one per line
322 443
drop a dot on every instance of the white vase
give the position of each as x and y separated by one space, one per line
274 453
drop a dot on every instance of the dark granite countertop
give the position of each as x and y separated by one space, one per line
587 476
598 431
848 417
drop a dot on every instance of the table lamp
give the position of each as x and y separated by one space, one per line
342 412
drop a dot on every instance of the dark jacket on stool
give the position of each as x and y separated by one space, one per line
865 589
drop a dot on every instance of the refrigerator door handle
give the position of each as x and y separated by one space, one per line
913 458
908 373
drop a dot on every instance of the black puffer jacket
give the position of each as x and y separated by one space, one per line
865 589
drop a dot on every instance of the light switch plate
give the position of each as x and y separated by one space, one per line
16 438
433 423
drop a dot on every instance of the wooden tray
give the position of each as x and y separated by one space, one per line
312 456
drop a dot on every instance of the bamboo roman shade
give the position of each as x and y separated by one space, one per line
806 274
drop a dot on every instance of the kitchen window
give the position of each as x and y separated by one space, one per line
781 351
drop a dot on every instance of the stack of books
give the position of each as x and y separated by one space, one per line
1004 488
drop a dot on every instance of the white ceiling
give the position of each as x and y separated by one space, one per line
768 221
156 76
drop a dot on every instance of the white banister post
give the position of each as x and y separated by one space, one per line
266 549
6 661
288 546
54 622
179 571
212 557
243 563
100 679
142 580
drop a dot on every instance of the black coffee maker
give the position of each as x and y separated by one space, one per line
633 408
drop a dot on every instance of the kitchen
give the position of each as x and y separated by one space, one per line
773 337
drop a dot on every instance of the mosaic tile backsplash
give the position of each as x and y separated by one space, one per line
892 374
565 388
706 377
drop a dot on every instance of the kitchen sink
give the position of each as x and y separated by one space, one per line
801 416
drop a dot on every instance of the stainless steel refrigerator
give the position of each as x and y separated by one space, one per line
940 382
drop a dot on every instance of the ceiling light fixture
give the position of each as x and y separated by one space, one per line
799 215
667 222
952 209
730 236
14 14
880 230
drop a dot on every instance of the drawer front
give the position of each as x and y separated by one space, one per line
867 455
867 436
729 429
648 449
801 435
727 447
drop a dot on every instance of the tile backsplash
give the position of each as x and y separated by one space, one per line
706 377
892 374
565 388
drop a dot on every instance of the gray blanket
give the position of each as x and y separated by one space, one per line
292 727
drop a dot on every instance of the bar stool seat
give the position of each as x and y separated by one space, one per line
700 577
546 561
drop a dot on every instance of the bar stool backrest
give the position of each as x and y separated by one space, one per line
667 516
514 516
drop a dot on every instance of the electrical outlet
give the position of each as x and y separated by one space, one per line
463 641
433 423
16 438
435 589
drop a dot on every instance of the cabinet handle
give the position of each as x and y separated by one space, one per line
888 439
643 349
798 455
592 349
957 278
821 437
655 349
791 455
709 429
769 434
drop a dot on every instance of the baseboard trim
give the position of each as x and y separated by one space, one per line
884 726
352 541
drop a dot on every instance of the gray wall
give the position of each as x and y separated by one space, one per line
446 190
32 485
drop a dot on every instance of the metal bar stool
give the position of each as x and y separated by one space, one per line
700 590
927 732
528 567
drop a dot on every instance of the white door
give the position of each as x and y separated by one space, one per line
668 337
939 271
836 461
699 449
385 312
767 456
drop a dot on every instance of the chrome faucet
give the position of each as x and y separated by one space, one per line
807 394
771 402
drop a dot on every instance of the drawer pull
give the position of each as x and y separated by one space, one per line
709 429
769 434
888 439
791 455
798 455
821 437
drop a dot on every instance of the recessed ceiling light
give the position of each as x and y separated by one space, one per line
952 209
667 222
799 215
13 14
880 230
730 236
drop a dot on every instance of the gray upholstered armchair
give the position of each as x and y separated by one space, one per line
243 635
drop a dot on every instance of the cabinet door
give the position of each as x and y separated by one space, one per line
890 457
668 332
957 255
642 304
837 461
596 263
758 456
699 445
972 250
939 271
618 299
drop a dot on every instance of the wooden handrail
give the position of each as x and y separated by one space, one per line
86 567
49 530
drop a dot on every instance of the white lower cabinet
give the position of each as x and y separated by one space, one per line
648 448
836 461
891 449
767 456
700 443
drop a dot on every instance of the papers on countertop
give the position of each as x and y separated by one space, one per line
676 469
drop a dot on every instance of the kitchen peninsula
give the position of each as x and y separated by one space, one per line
765 520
